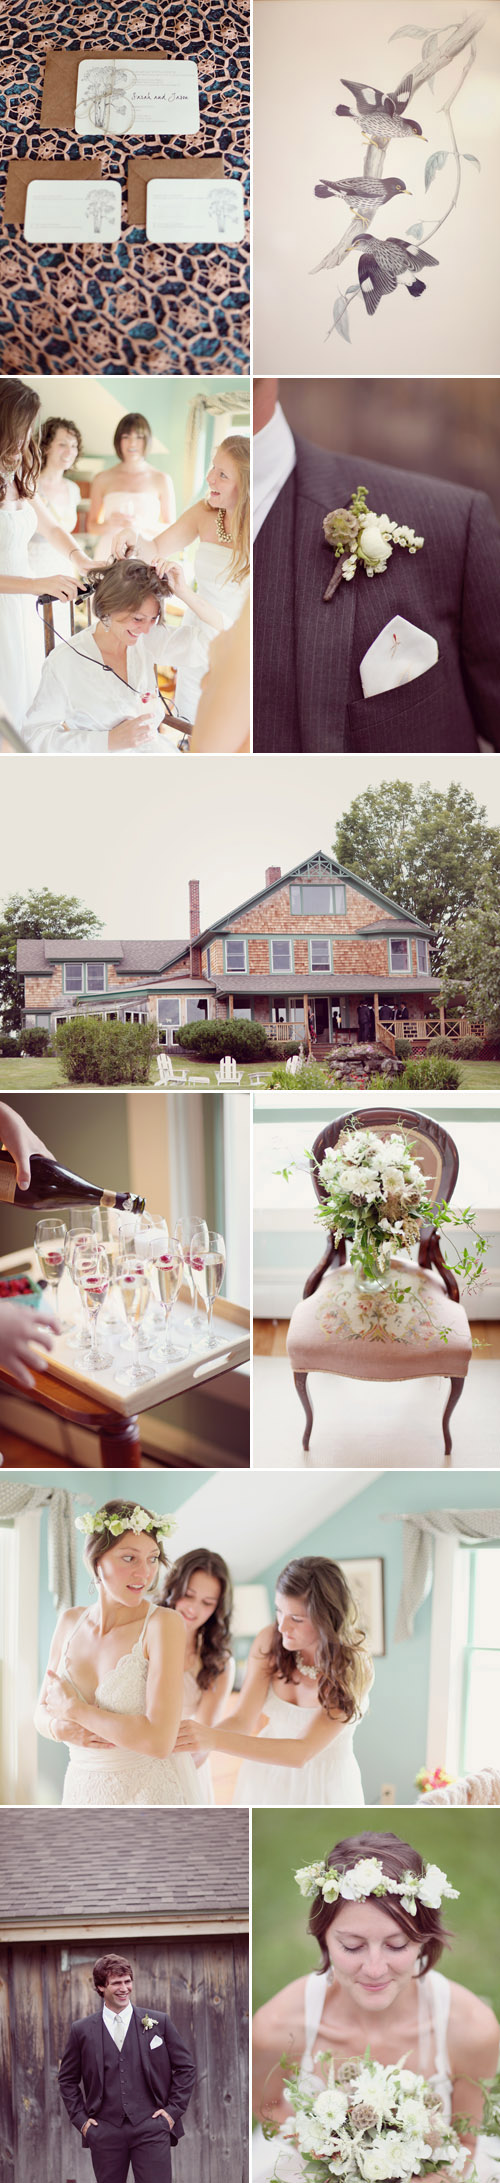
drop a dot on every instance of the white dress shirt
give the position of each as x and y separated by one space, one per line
124 2017
79 700
274 458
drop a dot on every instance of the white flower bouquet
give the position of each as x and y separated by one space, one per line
374 1195
370 2124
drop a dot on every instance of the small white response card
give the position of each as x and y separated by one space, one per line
145 98
194 212
73 212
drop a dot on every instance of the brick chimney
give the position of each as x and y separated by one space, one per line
273 873
194 927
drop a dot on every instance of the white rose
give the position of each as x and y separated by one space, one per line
374 549
364 1878
331 2107
433 1886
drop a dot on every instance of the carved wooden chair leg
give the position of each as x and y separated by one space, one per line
304 1397
456 1389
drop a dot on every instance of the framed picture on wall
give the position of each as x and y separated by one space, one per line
366 1582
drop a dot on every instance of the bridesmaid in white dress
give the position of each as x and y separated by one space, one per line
220 526
306 1687
200 1591
113 1688
132 491
377 1988
21 514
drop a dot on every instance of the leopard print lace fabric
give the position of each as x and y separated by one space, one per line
128 306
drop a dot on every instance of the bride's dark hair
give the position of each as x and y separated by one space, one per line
100 1542
19 406
396 1857
213 1637
344 1666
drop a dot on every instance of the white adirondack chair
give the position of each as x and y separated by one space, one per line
228 1072
166 1074
292 1064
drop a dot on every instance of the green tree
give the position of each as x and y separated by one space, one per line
35 917
472 964
429 850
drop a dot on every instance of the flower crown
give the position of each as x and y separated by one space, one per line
163 1526
367 1877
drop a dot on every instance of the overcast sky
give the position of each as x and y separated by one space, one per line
126 837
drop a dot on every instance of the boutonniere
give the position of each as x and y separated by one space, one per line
148 2022
362 539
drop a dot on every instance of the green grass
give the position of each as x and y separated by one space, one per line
464 1843
45 1074
478 1075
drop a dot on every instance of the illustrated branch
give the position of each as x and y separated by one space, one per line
375 156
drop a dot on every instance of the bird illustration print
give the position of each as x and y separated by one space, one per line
387 264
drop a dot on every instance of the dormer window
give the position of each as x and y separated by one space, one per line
96 977
73 977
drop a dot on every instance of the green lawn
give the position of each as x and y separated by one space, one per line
46 1074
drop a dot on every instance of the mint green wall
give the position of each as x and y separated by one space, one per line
391 1741
164 1494
165 402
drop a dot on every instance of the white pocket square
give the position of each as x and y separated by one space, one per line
156 2042
399 654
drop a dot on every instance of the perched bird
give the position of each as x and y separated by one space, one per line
362 194
380 113
383 264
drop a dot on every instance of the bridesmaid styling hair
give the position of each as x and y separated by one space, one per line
341 1658
19 407
213 1636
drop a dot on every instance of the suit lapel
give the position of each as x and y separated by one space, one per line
143 2038
324 633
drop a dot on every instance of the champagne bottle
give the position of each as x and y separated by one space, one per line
54 1185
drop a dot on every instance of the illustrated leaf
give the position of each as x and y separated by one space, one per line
430 45
417 230
437 160
410 30
340 317
354 291
473 161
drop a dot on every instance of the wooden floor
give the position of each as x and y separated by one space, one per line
269 1338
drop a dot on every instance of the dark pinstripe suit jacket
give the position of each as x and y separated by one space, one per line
307 688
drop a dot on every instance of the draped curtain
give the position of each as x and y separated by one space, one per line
62 1560
209 405
468 1524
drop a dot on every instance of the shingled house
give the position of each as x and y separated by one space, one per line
169 1891
315 940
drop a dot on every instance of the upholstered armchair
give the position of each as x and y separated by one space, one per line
339 1329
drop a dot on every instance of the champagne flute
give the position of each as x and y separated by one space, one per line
189 1225
91 1267
135 1290
151 1238
170 1269
84 1224
50 1244
208 1268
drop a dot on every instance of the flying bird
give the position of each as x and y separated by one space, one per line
380 113
384 264
363 194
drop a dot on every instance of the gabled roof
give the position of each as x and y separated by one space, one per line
129 956
328 868
169 1864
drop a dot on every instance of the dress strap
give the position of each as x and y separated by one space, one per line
152 1610
315 1997
64 1655
440 1998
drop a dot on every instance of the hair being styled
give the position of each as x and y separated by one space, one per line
213 1637
102 1542
133 422
48 433
104 1966
343 1663
239 450
397 1857
122 588
18 408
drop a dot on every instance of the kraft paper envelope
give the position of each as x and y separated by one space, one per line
61 78
142 171
22 171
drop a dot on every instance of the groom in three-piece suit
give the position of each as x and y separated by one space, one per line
126 2079
308 692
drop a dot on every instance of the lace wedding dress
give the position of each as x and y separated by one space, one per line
96 1778
273 2158
21 635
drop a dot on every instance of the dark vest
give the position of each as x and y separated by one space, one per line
126 2095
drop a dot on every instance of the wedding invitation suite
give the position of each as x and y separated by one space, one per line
142 98
73 212
194 211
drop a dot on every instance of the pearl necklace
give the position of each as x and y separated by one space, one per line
304 1668
223 538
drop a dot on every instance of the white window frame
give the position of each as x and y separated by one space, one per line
95 966
19 1610
238 939
423 968
281 939
72 989
320 939
400 970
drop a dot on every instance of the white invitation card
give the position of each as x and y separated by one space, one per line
73 212
194 211
143 98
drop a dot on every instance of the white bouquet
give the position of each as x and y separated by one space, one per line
374 1195
370 2125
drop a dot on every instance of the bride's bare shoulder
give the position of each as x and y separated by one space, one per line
283 2014
474 2033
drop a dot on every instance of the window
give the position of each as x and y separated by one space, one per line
399 955
236 955
423 956
73 977
281 955
481 1686
169 1011
96 977
240 1008
319 952
196 1009
318 900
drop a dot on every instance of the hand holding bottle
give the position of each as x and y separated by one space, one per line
20 1328
21 1143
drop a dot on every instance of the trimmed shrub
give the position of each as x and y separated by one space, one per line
245 1040
309 1078
93 1052
12 1045
430 1073
36 1041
